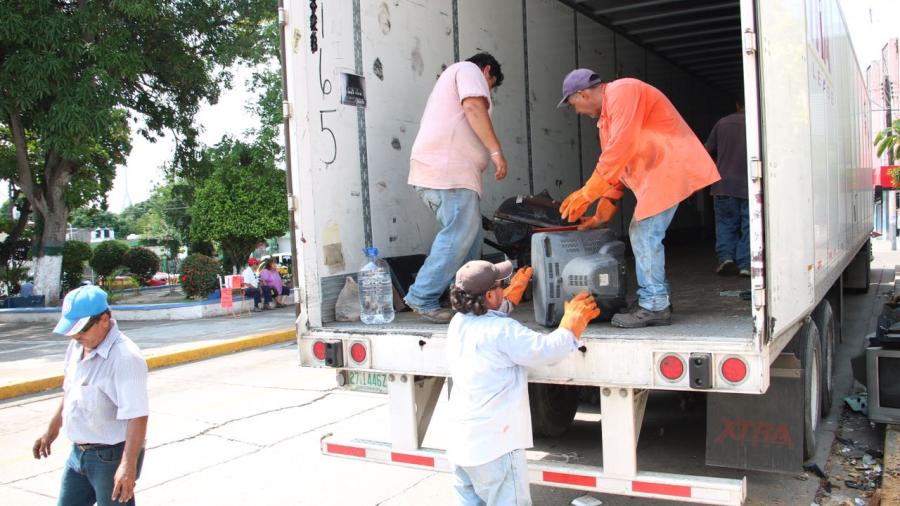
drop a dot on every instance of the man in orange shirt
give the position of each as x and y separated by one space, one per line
648 147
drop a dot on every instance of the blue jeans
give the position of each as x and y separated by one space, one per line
459 213
733 230
501 482
650 259
88 477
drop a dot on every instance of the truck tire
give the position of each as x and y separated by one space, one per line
553 408
811 360
824 319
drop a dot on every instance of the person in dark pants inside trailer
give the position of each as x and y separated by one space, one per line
104 406
487 354
727 142
648 147
455 141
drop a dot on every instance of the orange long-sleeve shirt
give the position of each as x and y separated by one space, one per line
648 146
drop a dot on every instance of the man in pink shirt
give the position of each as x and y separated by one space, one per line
455 141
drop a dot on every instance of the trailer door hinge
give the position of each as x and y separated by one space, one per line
282 16
749 41
286 109
755 169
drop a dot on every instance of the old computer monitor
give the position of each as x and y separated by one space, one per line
883 383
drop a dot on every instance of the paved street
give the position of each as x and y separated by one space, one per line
245 429
29 350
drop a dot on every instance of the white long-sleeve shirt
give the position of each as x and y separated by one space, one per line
487 356
250 277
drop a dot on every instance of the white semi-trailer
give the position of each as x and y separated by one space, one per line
358 73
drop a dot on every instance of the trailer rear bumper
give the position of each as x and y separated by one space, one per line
674 487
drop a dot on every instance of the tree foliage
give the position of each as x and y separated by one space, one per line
75 254
72 75
142 263
108 256
242 203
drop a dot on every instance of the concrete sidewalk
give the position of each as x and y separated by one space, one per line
31 357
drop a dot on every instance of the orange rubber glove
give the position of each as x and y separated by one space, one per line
596 187
579 312
606 209
517 285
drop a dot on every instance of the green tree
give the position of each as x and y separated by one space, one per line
108 256
75 254
243 202
142 263
72 74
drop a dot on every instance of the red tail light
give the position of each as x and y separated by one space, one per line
358 353
671 367
319 350
734 369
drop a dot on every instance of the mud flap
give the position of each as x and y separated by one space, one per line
759 432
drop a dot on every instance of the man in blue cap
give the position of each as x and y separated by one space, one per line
104 405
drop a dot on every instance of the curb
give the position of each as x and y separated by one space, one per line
890 478
164 359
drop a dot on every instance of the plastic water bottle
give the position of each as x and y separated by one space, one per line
376 296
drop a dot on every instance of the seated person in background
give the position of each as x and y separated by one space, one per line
26 289
270 283
251 283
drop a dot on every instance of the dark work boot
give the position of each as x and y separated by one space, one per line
641 317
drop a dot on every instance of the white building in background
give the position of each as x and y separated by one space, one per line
101 234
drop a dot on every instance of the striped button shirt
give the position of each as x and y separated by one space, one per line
104 390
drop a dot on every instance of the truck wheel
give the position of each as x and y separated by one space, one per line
553 408
824 318
811 360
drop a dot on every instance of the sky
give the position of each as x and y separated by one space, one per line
871 24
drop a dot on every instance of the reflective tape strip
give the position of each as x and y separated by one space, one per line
418 460
350 451
570 479
661 488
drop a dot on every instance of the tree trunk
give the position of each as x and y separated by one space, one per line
48 263
236 252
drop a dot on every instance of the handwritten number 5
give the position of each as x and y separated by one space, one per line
330 132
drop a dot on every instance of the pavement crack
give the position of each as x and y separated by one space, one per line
257 448
240 419
407 489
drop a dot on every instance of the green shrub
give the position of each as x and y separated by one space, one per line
108 256
199 275
142 262
75 254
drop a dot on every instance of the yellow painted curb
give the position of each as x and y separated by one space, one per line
165 359
890 479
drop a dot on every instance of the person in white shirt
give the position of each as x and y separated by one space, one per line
488 353
251 283
104 407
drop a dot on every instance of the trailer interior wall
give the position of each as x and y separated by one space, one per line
353 162
817 158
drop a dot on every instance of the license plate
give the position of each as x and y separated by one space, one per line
364 381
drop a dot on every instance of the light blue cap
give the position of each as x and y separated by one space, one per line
78 307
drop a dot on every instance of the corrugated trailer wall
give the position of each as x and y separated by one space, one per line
359 159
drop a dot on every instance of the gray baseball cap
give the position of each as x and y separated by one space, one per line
575 81
479 276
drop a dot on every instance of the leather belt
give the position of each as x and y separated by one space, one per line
86 447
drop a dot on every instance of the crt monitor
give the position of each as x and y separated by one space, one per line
883 384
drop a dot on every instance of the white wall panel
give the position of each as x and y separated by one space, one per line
406 46
554 132
497 27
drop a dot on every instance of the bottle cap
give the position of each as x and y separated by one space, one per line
371 252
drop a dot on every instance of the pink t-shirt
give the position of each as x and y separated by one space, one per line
447 153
